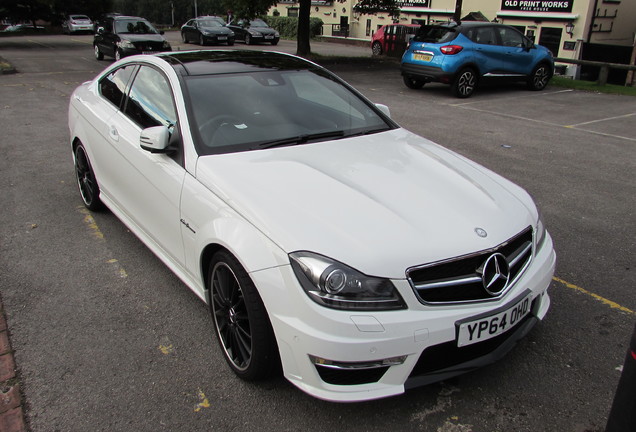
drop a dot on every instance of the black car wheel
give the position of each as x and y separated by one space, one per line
413 83
376 49
539 78
201 40
88 187
118 55
184 38
275 42
230 42
240 319
248 39
99 55
465 83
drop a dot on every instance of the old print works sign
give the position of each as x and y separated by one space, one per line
537 5
412 3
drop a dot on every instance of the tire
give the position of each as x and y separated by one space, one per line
248 39
376 49
539 78
118 55
413 83
230 42
274 42
240 320
184 38
99 55
201 40
465 83
86 181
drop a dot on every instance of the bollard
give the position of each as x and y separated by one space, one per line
622 417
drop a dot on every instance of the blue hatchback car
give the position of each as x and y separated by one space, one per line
462 54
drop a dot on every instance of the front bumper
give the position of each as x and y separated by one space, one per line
339 355
218 39
134 51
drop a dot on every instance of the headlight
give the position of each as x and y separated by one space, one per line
255 33
335 285
230 34
166 45
540 231
125 44
276 34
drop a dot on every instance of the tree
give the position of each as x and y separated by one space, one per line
25 10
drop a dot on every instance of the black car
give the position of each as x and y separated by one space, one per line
208 29
121 36
254 31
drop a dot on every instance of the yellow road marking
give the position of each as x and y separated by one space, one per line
603 300
166 349
204 402
90 222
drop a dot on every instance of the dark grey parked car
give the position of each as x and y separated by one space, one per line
254 31
207 29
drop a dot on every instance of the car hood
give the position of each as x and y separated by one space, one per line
141 37
263 30
380 203
216 30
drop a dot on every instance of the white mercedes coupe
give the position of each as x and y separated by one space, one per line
355 256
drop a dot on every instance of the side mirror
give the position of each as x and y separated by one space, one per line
385 109
155 139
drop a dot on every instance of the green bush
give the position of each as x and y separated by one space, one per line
288 26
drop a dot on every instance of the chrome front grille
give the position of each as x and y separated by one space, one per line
459 280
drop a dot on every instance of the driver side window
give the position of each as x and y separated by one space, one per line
150 100
510 37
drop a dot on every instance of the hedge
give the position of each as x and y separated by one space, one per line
288 26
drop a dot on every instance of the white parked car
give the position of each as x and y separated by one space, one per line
361 258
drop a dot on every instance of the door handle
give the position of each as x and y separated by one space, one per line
112 131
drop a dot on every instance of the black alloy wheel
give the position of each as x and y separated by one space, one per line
465 83
201 40
248 39
539 78
413 83
242 325
184 38
376 49
88 187
99 55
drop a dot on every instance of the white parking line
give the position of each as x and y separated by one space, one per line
602 120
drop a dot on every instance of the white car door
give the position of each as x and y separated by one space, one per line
147 187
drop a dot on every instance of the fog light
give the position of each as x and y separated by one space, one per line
391 361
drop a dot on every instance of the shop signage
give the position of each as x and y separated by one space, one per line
413 3
537 5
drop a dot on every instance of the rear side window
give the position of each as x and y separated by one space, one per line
482 35
435 34
113 85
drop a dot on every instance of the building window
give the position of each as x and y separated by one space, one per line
292 12
368 27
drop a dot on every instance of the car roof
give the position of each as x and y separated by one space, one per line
209 62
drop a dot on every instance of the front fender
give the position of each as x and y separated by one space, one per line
209 224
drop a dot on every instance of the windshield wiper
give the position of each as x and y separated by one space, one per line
300 139
370 131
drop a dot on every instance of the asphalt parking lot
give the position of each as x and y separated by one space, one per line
106 338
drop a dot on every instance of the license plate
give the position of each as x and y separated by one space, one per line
222 37
488 327
422 57
269 37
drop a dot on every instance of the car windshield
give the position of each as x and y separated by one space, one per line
256 110
258 23
80 17
435 34
134 26
210 23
